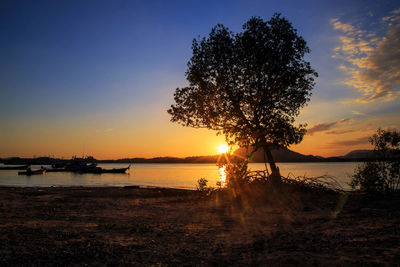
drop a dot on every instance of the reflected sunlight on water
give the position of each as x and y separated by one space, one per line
222 176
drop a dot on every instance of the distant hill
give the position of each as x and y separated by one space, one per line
280 155
359 154
370 155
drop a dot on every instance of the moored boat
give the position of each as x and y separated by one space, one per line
58 170
22 167
116 170
58 165
81 165
32 172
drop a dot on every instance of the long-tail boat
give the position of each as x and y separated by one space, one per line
32 172
116 170
22 167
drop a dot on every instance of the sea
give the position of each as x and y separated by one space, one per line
183 176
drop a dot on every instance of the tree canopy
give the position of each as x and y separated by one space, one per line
383 174
249 86
386 140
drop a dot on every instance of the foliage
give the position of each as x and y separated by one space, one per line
247 185
382 175
374 177
248 86
385 141
238 175
202 185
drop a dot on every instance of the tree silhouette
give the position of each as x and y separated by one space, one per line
249 86
383 174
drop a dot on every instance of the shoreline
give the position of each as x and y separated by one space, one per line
158 226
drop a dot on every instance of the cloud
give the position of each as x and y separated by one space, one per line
322 127
357 141
357 113
372 63
396 11
337 25
341 132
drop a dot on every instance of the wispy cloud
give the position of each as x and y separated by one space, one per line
342 132
322 127
357 113
353 142
342 26
372 62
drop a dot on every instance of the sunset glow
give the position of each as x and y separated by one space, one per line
223 148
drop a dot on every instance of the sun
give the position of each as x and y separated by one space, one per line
223 148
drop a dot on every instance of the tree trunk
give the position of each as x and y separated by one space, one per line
274 169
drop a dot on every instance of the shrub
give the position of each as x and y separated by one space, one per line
239 177
237 173
382 175
202 185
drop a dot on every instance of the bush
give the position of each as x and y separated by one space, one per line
202 185
237 173
239 177
373 177
382 175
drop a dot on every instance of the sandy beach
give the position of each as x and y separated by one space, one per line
138 226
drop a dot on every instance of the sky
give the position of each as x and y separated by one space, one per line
97 77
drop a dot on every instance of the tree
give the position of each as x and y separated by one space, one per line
249 86
383 174
386 141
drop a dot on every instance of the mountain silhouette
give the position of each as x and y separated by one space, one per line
360 154
280 155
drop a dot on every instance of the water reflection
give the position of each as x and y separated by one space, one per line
222 176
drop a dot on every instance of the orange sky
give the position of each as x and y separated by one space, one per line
163 138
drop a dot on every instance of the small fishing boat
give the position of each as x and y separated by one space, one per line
58 170
32 172
23 167
116 170
82 166
58 165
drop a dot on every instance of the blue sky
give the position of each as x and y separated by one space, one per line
96 77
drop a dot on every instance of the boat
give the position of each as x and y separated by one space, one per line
89 169
81 165
58 165
58 170
22 167
116 170
32 172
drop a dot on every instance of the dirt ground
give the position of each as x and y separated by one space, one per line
135 226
